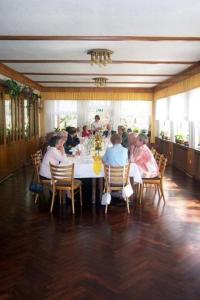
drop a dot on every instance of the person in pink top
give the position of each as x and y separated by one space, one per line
86 132
143 158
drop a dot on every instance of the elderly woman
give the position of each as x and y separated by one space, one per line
132 139
55 154
117 155
143 158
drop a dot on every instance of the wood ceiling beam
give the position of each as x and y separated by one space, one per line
96 74
77 61
10 73
195 69
96 90
113 82
98 38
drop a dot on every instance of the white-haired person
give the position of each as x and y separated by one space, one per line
143 158
55 155
117 155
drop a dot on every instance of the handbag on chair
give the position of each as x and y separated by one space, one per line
127 190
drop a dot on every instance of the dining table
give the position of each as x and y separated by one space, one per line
90 165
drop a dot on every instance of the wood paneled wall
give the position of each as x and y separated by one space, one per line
183 158
15 155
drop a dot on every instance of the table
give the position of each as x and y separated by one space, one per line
83 168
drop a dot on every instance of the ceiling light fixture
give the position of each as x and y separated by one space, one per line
100 81
101 57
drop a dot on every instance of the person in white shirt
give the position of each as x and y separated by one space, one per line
96 125
55 154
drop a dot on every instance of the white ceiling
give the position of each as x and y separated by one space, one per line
178 18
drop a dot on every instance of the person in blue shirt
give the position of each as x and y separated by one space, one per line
117 155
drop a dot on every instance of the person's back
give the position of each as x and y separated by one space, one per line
116 155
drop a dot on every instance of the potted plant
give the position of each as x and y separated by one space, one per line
179 138
162 134
14 89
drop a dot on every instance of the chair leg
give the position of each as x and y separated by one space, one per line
73 210
141 187
106 209
159 191
36 198
60 197
80 192
127 204
162 191
52 200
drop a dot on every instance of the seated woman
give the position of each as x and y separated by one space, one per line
132 139
117 155
86 132
55 154
72 140
143 158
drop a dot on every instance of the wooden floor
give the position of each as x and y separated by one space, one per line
152 254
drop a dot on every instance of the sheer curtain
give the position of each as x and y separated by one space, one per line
62 113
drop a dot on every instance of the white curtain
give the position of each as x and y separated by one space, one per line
162 109
62 113
178 107
194 105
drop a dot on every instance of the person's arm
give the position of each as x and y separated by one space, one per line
60 156
105 157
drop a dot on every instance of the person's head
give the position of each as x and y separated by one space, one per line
56 141
141 139
129 130
97 118
116 139
78 130
68 128
85 128
63 134
49 135
108 127
132 138
72 131
121 129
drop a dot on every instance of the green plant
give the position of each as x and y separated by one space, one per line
179 138
162 134
14 88
136 130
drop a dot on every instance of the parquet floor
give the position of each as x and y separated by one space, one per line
152 254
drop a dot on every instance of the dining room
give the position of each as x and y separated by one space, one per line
99 149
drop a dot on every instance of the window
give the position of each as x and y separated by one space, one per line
8 118
162 117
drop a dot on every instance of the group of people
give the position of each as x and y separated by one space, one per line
126 146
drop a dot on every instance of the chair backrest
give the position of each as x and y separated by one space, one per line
37 154
116 175
153 150
62 173
158 158
36 162
162 166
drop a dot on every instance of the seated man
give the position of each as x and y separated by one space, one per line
143 158
108 132
124 135
72 140
117 155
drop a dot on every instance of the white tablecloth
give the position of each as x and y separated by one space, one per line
83 168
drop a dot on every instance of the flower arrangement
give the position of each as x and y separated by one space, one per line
98 142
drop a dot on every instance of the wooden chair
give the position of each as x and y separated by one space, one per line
115 179
63 180
154 152
156 181
158 157
36 162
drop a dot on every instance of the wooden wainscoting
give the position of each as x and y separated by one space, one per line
183 158
15 155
